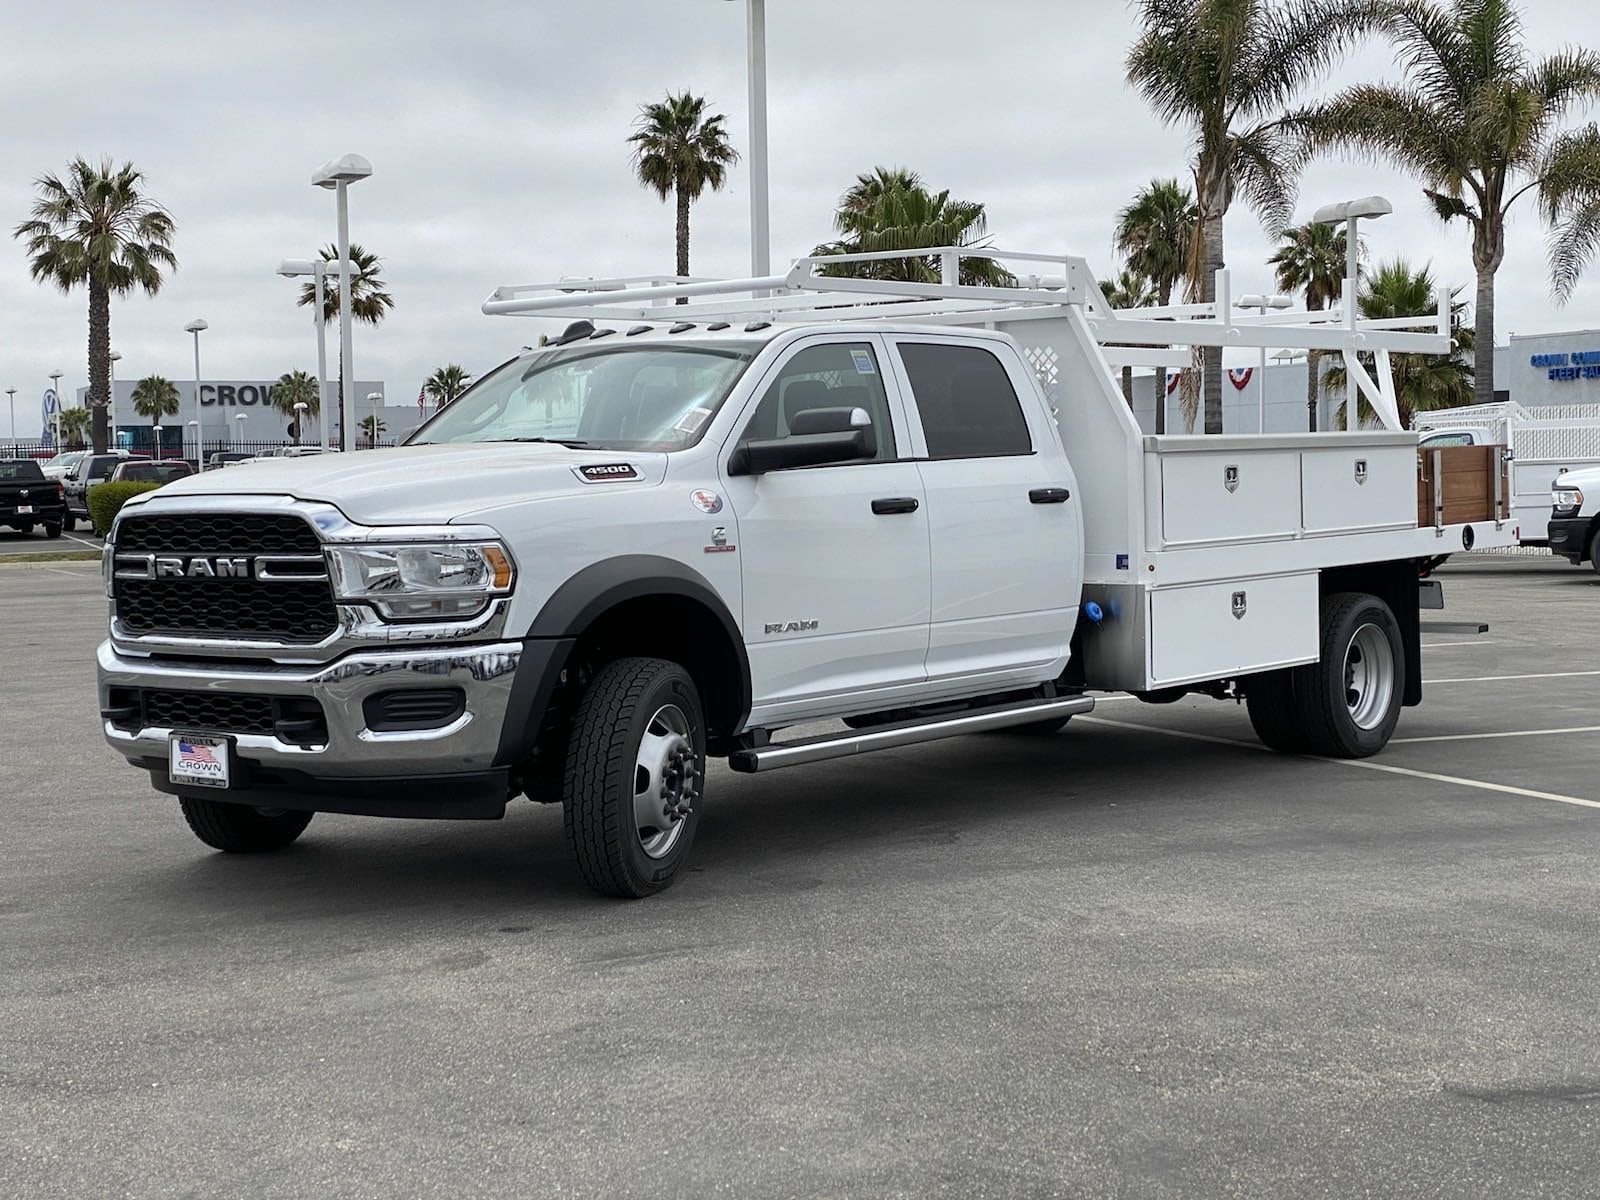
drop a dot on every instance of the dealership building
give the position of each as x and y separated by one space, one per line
240 411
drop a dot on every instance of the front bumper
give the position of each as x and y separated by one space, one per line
351 767
1569 537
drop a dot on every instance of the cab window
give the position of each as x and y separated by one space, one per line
835 375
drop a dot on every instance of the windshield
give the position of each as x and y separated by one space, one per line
68 460
608 397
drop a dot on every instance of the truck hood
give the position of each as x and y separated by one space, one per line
417 484
1586 479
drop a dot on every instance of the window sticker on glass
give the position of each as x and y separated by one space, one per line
863 361
691 421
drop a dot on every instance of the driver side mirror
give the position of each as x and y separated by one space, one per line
817 437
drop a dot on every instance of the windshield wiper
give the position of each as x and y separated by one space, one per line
552 441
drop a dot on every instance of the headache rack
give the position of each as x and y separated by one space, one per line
1048 286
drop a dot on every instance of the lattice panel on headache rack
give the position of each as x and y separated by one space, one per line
1047 369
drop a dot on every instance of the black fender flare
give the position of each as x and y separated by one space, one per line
573 607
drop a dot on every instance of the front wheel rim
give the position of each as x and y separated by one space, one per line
666 781
1369 677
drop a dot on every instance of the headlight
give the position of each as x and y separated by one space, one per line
419 582
1567 497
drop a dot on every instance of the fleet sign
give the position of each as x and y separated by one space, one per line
1581 364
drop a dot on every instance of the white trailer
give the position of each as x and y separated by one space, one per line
1542 443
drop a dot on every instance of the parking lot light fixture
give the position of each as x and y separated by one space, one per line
375 399
317 268
199 446
1261 304
238 428
300 410
111 403
11 403
337 176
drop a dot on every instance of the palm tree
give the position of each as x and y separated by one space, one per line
1226 68
680 151
1156 234
72 426
370 300
446 384
891 210
1422 382
1478 122
97 228
1312 259
372 428
1130 290
292 388
155 397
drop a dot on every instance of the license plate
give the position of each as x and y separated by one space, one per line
24 509
198 761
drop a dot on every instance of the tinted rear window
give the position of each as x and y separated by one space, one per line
26 471
968 407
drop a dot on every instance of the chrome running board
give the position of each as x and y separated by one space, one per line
906 733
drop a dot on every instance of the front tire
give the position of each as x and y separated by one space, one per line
70 523
241 829
634 774
1594 550
52 531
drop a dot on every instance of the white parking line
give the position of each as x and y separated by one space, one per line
83 541
1502 678
1443 645
1472 737
1365 764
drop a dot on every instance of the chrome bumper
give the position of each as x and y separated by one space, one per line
352 751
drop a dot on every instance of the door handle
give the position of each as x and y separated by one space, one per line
1049 496
895 504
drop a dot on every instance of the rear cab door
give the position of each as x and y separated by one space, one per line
834 559
1005 525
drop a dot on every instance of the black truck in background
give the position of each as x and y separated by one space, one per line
28 499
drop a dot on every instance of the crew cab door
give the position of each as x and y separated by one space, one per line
834 558
1004 524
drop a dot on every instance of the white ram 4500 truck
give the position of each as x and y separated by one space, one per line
678 531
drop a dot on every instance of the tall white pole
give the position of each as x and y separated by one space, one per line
347 370
200 433
11 402
322 353
111 406
1261 393
760 240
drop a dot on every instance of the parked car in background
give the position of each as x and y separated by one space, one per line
61 465
226 458
90 470
28 499
142 471
1575 516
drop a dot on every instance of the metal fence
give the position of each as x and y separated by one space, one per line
171 447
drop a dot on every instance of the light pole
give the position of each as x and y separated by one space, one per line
338 175
55 390
197 327
199 448
155 433
289 268
1261 304
111 404
756 70
300 411
1348 213
11 403
238 429
375 399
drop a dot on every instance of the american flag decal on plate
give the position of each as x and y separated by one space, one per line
198 761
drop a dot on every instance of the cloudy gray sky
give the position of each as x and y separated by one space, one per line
497 137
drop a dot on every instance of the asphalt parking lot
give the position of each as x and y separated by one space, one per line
1142 958
14 544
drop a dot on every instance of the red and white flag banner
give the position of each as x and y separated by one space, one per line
1240 376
